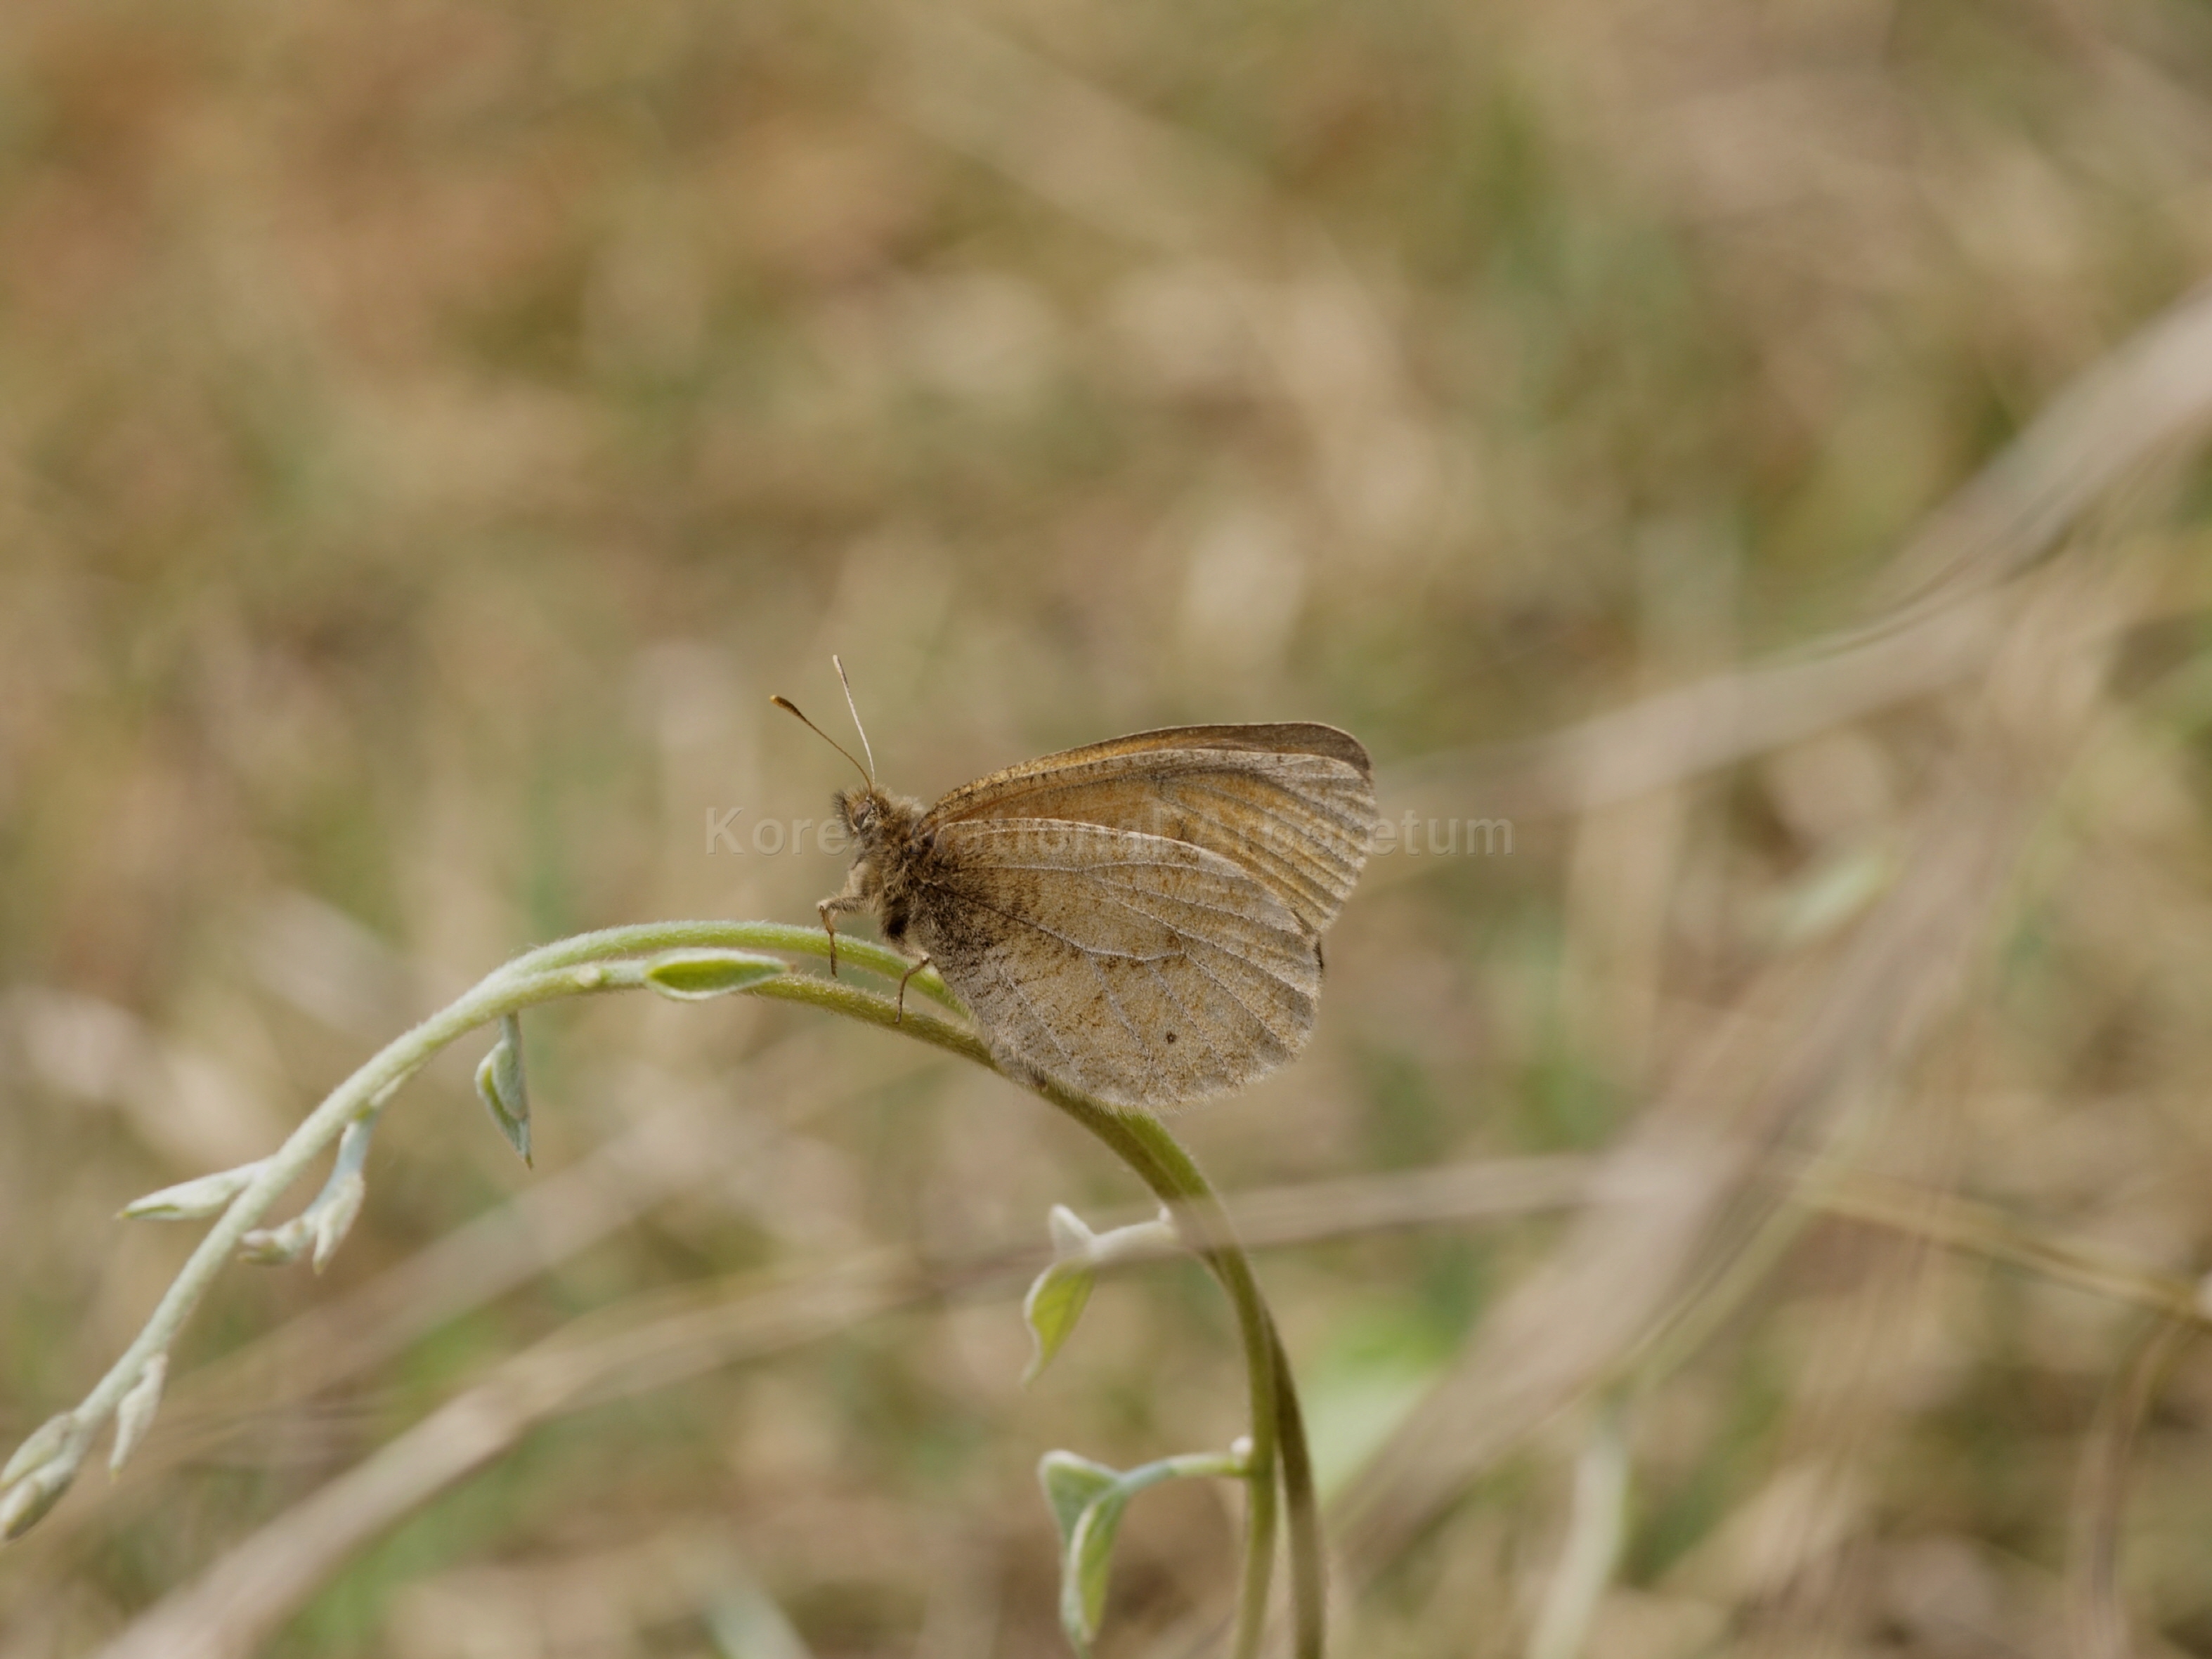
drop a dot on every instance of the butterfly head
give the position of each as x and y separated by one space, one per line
878 820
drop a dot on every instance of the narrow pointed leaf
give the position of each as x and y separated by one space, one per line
192 1200
334 1214
27 1502
1089 1565
134 1415
501 1086
697 976
45 1444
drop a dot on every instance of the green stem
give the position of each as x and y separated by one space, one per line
1302 1506
576 966
650 938
1159 1160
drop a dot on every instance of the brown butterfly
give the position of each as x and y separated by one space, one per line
1140 918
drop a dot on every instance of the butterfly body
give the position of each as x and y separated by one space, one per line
886 870
1141 919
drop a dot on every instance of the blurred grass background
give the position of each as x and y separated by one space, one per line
428 434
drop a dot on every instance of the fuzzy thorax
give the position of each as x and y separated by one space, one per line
888 830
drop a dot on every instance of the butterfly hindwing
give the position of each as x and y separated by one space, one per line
1140 968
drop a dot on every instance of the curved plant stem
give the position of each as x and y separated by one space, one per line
1280 1480
1159 1160
1302 1510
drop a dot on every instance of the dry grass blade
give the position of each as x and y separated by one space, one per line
1597 1529
2096 1617
1959 1224
2148 400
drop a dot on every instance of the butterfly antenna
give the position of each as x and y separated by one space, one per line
857 727
791 709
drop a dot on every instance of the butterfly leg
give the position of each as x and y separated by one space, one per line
830 909
907 975
854 895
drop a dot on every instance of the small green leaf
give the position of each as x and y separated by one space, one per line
27 1501
38 1474
46 1442
334 1211
500 1085
1054 1304
192 1200
1070 1484
1088 1563
1087 1500
134 1414
696 975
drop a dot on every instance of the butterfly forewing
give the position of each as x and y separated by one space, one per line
1140 968
1292 805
